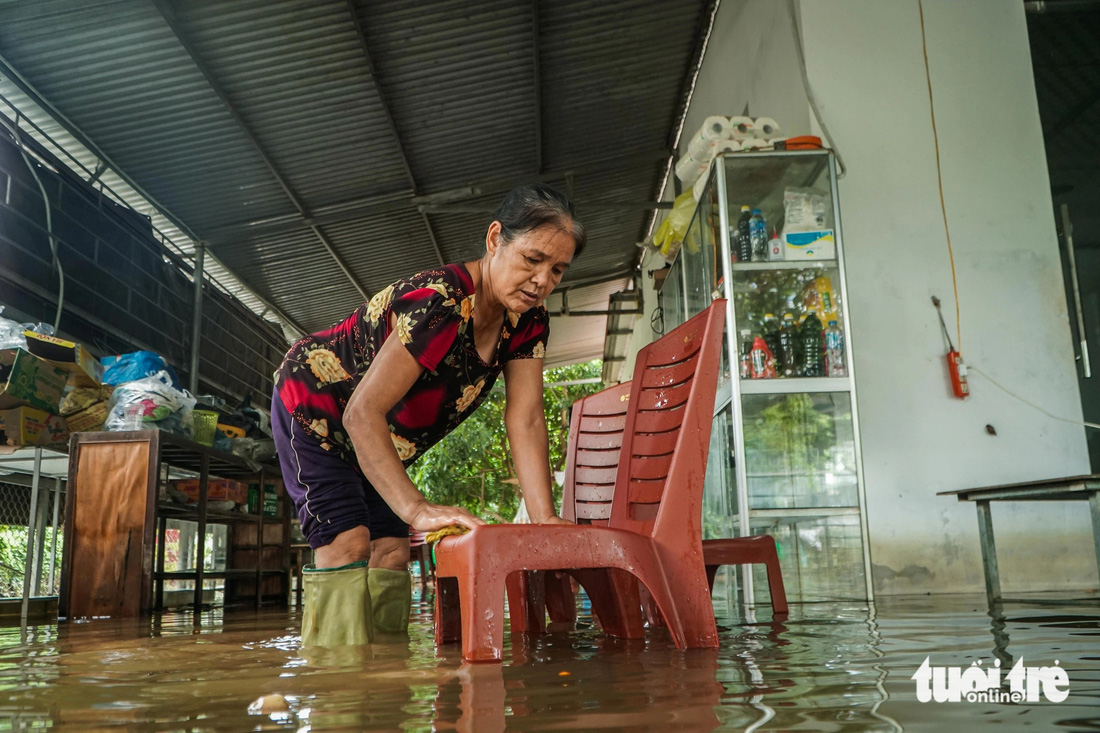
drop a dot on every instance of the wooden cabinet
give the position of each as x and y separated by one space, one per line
116 526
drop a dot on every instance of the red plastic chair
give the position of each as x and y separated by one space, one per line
666 433
586 499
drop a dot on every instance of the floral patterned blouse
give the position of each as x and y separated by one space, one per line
433 310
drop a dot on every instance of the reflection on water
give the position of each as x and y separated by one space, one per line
828 666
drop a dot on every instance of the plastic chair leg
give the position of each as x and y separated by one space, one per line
448 619
615 600
526 601
481 596
561 603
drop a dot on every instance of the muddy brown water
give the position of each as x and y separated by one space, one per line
829 666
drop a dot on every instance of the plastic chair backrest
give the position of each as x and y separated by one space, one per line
666 435
592 457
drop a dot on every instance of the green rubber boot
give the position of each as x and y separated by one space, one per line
337 606
392 594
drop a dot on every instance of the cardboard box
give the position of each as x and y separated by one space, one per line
815 245
83 368
28 426
89 419
27 380
217 489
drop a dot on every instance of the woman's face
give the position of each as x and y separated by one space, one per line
525 270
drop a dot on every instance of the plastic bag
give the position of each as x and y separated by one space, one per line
151 403
805 210
670 234
137 365
11 332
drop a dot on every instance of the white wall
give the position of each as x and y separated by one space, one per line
866 67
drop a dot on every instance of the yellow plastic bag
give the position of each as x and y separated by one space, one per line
670 234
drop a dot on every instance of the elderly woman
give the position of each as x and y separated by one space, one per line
358 403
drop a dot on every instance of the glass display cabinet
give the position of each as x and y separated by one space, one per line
785 451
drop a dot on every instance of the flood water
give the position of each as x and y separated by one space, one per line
827 667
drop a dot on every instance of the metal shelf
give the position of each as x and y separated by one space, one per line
214 574
190 513
783 265
795 385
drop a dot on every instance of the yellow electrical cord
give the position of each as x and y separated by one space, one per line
939 177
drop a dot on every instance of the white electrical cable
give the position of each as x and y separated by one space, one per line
793 12
1012 394
49 223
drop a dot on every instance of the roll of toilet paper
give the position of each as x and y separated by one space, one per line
715 127
766 128
701 185
742 128
702 149
729 146
755 144
688 169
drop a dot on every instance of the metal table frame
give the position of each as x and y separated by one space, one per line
1075 488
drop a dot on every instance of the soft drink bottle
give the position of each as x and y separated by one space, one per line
743 243
813 347
770 332
746 355
758 236
788 346
763 361
834 351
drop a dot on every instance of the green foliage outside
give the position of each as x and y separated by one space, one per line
13 556
470 466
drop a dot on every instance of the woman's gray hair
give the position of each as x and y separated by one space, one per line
535 205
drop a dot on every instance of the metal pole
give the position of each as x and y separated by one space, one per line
39 543
30 534
196 317
741 478
53 543
1067 231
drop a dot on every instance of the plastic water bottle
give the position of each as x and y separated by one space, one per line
834 351
813 347
742 244
788 346
758 236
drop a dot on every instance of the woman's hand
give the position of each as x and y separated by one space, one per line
427 517
554 520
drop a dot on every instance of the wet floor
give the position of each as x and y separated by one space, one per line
827 667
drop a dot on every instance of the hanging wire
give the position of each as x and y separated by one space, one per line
15 133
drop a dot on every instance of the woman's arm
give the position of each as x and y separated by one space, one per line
389 378
526 425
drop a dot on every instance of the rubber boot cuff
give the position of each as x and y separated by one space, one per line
391 591
337 606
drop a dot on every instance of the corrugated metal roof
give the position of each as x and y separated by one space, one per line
232 112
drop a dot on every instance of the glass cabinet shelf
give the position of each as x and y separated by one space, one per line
782 265
790 385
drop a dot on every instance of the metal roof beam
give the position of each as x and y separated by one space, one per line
388 203
584 205
168 13
361 33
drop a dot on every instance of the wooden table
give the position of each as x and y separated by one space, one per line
1075 488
